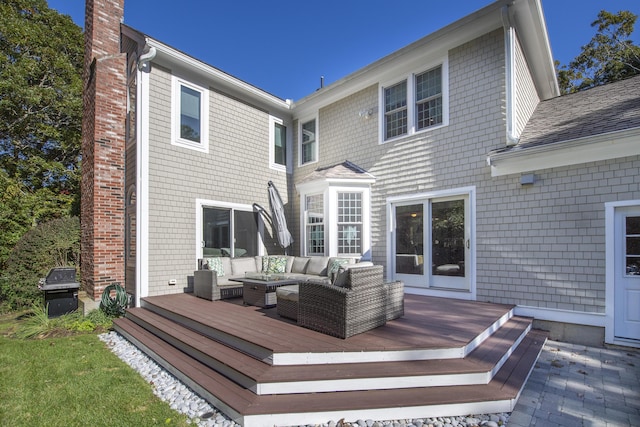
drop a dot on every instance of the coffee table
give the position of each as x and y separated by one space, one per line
260 289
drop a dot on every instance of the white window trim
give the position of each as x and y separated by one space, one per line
203 145
330 197
469 192
305 223
206 203
411 103
300 123
272 143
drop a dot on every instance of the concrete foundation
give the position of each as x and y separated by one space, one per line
591 336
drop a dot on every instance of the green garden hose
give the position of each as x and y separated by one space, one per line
114 306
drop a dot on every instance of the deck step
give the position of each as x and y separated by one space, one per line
432 334
250 409
479 367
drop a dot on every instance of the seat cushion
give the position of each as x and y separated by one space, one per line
287 293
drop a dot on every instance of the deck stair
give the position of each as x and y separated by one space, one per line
263 370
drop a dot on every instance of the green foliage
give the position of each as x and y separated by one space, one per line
36 323
52 244
41 60
75 381
609 56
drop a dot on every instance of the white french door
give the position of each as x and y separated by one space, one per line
627 273
431 242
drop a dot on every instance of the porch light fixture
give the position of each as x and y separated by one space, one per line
366 113
527 179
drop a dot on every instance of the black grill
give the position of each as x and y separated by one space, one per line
60 291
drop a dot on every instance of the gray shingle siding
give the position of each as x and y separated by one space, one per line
235 170
546 247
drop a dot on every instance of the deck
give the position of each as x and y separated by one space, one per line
444 357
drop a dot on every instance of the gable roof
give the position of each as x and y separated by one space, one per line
592 125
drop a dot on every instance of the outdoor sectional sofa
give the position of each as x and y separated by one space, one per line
214 278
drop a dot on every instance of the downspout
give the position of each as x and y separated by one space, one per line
142 173
145 58
510 83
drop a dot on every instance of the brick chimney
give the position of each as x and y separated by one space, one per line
103 148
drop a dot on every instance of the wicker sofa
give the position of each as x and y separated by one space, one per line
215 276
356 302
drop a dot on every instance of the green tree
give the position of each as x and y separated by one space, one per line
609 56
51 244
41 59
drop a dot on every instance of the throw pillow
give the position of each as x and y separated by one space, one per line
336 264
277 264
215 263
341 276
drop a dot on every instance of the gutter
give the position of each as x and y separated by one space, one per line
510 81
146 58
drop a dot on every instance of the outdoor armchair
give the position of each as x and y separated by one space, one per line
357 306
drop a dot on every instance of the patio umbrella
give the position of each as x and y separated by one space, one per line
278 218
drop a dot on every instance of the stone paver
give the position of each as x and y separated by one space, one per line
573 385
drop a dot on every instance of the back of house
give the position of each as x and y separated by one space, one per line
452 162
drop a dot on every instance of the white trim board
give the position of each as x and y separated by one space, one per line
561 316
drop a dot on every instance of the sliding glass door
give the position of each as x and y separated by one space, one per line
229 232
431 242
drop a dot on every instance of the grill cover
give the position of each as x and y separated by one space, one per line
59 278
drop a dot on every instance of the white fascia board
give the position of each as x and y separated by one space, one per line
231 84
606 146
528 19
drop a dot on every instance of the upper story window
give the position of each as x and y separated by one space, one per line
429 98
279 149
190 124
415 104
395 110
308 142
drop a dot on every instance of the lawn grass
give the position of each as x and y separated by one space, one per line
73 381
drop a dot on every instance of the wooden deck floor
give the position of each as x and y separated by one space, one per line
226 352
428 323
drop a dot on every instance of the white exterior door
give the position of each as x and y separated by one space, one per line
627 273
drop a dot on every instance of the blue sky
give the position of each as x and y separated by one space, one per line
284 46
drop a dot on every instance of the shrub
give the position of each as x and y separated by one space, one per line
52 244
37 324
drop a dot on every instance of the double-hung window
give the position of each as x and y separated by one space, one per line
349 223
414 104
308 142
395 110
314 229
189 107
429 98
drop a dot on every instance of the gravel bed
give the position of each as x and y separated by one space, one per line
182 399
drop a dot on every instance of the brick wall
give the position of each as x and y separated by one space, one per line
103 143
